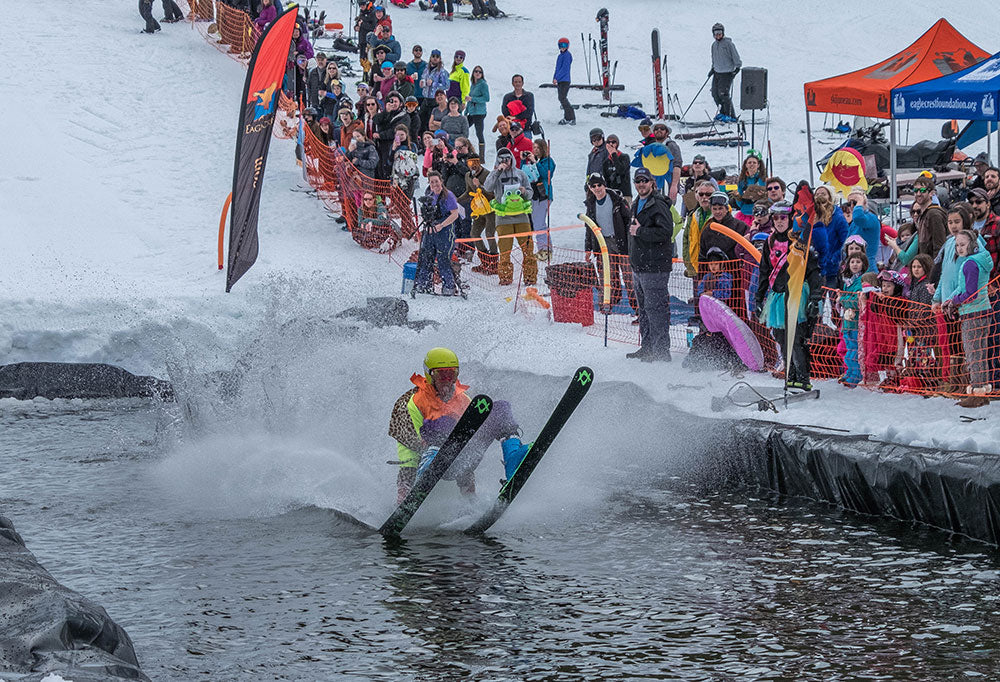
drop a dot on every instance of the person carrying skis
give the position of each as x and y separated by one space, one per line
726 64
423 417
561 79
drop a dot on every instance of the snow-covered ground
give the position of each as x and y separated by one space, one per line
118 156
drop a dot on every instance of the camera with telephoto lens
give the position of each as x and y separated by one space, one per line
430 212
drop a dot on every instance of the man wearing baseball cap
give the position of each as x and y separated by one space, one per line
651 252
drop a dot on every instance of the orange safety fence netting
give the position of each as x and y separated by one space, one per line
230 30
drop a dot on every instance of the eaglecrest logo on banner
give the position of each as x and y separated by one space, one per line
900 104
265 74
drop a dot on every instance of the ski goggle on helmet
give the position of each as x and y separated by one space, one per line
441 364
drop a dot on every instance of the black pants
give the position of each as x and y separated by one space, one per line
439 6
476 121
171 11
801 357
563 90
426 106
146 12
722 83
479 8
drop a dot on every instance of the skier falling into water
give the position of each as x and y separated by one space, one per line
726 64
423 417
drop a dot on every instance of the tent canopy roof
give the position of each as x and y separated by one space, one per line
940 51
972 94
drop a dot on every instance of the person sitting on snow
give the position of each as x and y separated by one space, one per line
423 417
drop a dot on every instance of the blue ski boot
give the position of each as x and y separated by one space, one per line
513 454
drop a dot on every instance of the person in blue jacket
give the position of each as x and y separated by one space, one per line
561 79
866 225
830 221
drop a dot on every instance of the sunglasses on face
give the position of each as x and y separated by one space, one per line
760 212
922 190
642 181
613 143
371 104
369 198
774 188
704 194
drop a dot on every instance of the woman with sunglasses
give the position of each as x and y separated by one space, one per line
751 175
772 295
374 229
617 168
829 220
475 105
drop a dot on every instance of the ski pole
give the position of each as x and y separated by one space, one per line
684 115
588 61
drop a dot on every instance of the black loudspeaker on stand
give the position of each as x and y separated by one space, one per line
753 88
753 95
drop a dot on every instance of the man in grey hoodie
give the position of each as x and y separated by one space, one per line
726 64
513 207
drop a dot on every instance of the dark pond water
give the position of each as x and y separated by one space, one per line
223 564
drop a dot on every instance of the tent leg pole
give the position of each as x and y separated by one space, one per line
893 189
812 180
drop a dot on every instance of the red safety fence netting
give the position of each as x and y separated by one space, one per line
861 338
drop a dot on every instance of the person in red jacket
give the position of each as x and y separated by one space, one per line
519 145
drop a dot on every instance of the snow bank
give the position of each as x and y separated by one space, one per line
113 183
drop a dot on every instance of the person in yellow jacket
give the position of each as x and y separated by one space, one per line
697 219
460 79
423 417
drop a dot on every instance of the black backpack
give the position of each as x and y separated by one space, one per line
493 10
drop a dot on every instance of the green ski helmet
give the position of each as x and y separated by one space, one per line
439 358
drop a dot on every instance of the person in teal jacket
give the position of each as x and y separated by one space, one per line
866 225
854 267
475 107
965 291
752 173
539 168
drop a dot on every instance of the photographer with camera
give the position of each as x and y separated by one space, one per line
439 211
519 145
513 211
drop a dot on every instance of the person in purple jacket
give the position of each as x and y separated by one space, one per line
268 13
561 79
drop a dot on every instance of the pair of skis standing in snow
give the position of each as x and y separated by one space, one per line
442 433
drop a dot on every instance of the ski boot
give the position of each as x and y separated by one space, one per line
514 452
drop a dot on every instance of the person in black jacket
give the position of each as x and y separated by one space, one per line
772 293
650 253
617 169
385 123
610 212
365 24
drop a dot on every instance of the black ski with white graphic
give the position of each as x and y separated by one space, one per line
473 417
602 19
578 388
657 74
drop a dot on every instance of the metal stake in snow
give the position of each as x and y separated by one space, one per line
602 19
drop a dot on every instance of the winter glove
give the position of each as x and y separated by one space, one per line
812 309
736 71
711 73
435 431
758 309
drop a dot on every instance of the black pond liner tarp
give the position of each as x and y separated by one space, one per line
955 491
48 628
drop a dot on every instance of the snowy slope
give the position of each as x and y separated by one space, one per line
119 155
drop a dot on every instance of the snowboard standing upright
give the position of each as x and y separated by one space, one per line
473 417
602 19
582 380
657 74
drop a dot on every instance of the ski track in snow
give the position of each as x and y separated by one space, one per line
119 157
